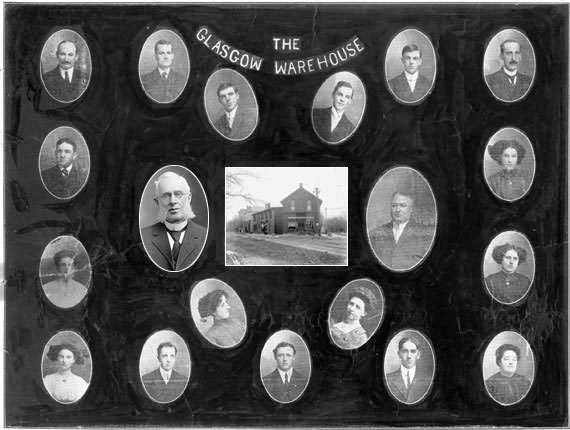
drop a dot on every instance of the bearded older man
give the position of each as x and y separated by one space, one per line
174 242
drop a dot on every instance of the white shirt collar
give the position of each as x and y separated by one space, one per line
405 371
397 229
411 76
163 71
336 116
166 374
68 168
288 373
175 227
508 72
69 72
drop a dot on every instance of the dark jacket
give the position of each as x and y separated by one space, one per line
322 122
161 392
163 90
64 187
62 90
243 125
401 88
282 393
417 390
502 88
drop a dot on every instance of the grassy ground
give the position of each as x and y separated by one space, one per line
288 249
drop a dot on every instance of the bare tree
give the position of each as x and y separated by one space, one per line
235 187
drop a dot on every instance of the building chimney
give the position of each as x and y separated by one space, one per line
300 185
267 205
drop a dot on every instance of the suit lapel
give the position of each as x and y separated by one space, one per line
160 241
189 244
399 383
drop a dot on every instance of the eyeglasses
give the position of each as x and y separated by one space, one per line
165 197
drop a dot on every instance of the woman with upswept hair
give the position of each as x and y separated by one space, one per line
507 286
64 385
225 331
510 183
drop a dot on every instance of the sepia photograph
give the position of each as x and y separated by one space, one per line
66 367
164 366
338 107
401 219
231 105
509 65
64 162
218 313
509 164
285 366
65 66
173 218
410 66
164 66
409 367
356 313
508 368
508 267
65 272
286 216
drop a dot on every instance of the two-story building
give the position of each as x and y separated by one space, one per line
268 221
300 211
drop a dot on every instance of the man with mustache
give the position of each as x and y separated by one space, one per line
237 122
175 241
66 83
508 84
331 123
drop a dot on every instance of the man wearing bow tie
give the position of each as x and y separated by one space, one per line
410 86
175 241
165 384
66 178
236 122
285 384
408 384
508 84
65 83
163 84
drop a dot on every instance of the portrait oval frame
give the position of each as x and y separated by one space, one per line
324 92
374 315
394 75
267 362
153 377
47 66
491 285
50 288
489 169
51 174
75 340
489 364
380 235
200 291
218 77
155 240
147 65
490 67
393 380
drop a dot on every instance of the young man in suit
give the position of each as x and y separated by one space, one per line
163 84
331 123
410 86
237 122
285 384
165 384
66 178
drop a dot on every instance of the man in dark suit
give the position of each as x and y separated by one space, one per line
237 122
401 244
66 178
164 385
285 384
408 384
163 84
65 83
410 86
174 243
508 84
331 123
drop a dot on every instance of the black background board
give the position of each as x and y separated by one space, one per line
129 138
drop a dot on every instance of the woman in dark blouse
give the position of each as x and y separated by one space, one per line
225 332
507 286
511 182
506 386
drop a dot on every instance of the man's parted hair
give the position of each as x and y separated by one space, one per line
343 84
411 339
226 85
166 345
162 42
411 48
67 41
508 41
284 345
68 141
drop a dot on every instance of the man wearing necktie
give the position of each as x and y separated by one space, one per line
236 122
66 178
331 123
285 384
175 242
163 84
66 83
408 384
508 83
410 86
165 384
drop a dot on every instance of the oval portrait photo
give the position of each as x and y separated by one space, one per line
356 313
509 65
509 164
164 366
65 66
401 219
508 368
173 218
409 367
164 66
338 107
285 366
65 272
231 105
218 313
508 267
64 162
410 66
66 367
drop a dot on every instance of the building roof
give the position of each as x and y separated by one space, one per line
299 193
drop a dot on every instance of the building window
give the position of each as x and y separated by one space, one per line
292 205
309 205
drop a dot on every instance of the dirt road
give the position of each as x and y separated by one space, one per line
288 249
